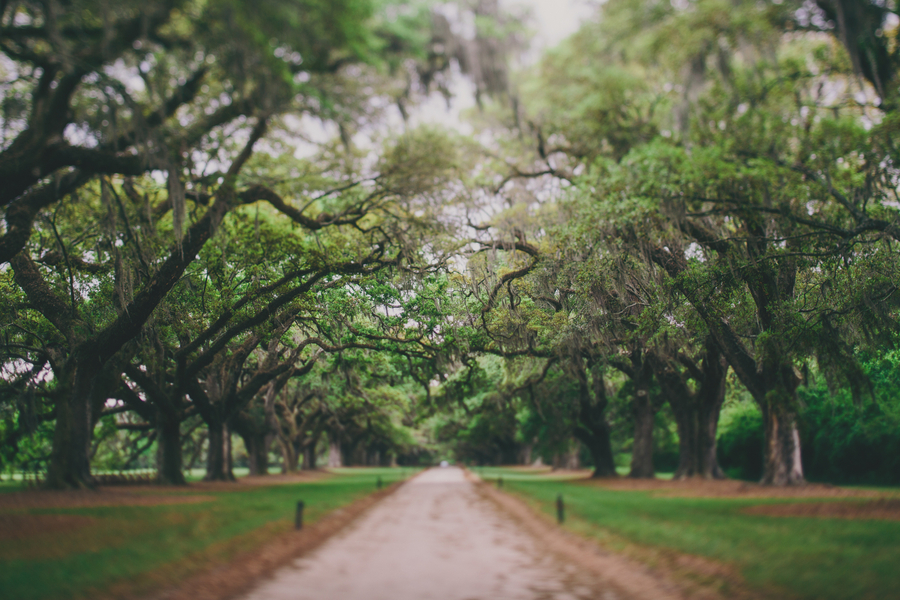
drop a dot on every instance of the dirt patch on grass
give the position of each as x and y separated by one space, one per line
729 488
19 527
138 496
281 478
634 572
884 509
144 494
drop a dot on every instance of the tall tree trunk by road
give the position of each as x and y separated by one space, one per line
309 452
769 379
334 453
70 465
592 430
643 410
218 457
289 456
696 412
257 436
599 446
642 449
257 453
781 461
169 459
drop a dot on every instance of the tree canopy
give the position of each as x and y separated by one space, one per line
222 222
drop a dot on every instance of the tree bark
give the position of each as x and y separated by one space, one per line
70 465
592 430
781 462
309 458
257 438
334 454
257 453
309 454
771 380
600 448
169 458
642 450
696 413
289 456
218 456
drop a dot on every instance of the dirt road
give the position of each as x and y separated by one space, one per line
435 538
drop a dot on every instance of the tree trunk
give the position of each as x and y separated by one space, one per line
642 451
770 380
257 453
592 430
334 454
70 465
309 458
168 454
525 454
218 458
289 456
697 427
309 452
781 461
710 398
696 413
598 443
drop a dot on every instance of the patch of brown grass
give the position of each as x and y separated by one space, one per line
883 509
223 571
19 527
729 488
135 496
634 572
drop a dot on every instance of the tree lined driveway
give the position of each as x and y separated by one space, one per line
434 538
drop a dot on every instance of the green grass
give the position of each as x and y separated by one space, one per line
143 546
778 556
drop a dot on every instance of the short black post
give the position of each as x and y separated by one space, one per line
560 509
378 483
499 482
298 520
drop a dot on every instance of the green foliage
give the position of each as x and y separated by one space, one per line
133 548
849 440
740 442
844 439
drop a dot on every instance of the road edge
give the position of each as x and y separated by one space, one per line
628 577
247 569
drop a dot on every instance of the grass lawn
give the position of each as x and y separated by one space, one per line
145 546
800 557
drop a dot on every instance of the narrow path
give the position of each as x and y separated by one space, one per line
434 538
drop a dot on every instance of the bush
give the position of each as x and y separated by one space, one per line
847 442
740 443
842 441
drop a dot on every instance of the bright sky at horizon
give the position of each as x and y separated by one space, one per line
554 20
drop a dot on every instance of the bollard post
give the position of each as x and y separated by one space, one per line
298 519
378 483
560 509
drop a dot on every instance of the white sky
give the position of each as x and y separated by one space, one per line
554 20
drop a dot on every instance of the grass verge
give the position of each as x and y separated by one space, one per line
135 549
793 557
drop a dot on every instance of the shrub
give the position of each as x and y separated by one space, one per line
740 442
